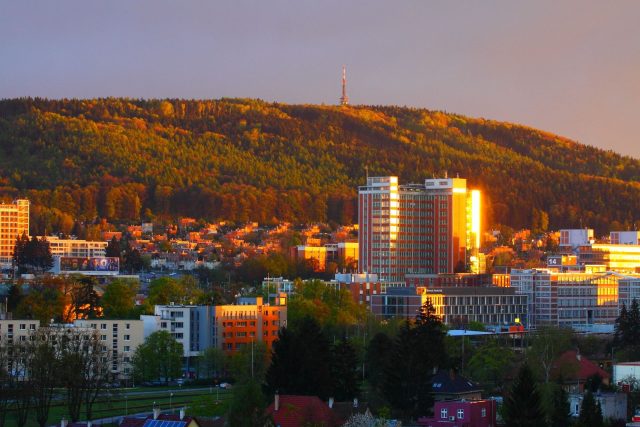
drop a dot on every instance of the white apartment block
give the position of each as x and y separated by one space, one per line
76 248
13 331
190 325
120 337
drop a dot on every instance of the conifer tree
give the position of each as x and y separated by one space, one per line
590 412
559 415
523 404
344 371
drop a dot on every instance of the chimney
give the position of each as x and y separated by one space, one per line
63 422
182 414
331 403
276 402
156 412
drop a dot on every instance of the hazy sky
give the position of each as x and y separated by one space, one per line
569 67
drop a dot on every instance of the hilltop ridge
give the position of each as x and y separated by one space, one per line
244 159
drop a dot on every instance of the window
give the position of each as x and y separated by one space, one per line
127 326
127 348
127 337
444 413
103 326
460 414
23 326
103 337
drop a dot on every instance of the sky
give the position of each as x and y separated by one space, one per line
570 67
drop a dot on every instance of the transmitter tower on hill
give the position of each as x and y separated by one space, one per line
344 99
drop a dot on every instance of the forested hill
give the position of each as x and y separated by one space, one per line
242 159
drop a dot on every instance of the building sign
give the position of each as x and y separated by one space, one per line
89 264
554 261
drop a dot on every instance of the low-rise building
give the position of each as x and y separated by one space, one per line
468 413
75 247
613 405
489 305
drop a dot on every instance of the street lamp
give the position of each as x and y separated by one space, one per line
171 402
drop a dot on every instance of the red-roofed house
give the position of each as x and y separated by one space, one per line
575 369
297 411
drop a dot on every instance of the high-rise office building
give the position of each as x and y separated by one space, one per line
14 220
425 228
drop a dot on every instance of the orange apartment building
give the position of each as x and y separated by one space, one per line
249 321
14 221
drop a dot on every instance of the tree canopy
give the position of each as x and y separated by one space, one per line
243 159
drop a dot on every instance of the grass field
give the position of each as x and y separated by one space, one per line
204 401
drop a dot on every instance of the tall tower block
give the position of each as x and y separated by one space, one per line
344 99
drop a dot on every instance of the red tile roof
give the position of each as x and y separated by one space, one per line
577 367
296 411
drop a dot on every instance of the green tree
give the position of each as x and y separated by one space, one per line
301 362
489 362
118 300
212 363
159 357
590 412
417 351
548 342
247 405
165 290
344 371
523 404
557 404
378 360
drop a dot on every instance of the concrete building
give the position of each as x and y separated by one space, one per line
190 325
120 337
14 221
583 301
361 286
576 237
417 228
317 255
489 305
250 320
13 331
613 405
624 237
75 248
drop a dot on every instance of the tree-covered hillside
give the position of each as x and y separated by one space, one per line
243 159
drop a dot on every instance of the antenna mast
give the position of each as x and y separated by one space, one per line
344 99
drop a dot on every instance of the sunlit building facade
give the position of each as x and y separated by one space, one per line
574 299
427 228
75 247
14 221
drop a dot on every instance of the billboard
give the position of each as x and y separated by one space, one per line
90 264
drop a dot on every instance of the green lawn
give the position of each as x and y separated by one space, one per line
198 402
